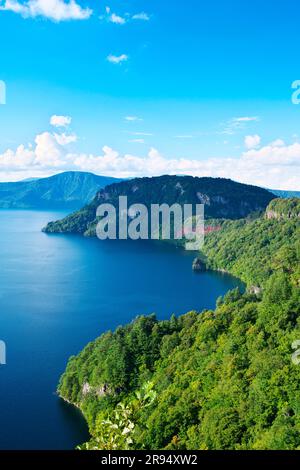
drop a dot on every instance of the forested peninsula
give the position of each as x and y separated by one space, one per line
217 379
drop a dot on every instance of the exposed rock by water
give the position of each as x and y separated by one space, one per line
199 265
100 391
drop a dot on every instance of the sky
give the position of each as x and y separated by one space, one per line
150 87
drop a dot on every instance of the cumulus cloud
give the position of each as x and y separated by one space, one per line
252 141
117 59
278 143
55 10
60 121
282 155
64 139
276 165
47 151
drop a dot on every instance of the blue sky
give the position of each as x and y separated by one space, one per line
206 85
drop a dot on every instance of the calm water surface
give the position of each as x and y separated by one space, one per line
59 292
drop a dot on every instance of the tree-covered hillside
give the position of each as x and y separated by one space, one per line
223 198
254 249
221 379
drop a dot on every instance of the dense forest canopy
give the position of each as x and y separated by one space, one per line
222 198
221 379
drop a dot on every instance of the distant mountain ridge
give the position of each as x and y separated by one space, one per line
222 198
285 194
69 191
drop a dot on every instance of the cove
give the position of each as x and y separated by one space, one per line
59 292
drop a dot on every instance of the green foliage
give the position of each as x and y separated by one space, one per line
118 431
113 433
223 198
223 379
255 249
287 208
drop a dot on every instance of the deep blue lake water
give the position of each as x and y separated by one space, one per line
59 292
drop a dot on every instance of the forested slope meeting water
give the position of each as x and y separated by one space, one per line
223 379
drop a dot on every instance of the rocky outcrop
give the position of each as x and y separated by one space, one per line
283 209
281 215
256 290
86 389
204 198
100 391
199 265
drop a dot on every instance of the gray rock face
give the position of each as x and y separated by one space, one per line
199 265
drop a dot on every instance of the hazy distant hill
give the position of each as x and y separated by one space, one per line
223 198
70 190
285 194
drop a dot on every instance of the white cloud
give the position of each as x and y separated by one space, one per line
141 16
132 118
117 59
117 19
283 156
48 152
237 123
252 141
113 17
274 166
137 141
60 121
64 139
142 134
277 143
246 119
55 10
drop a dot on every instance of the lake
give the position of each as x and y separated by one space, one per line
59 292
